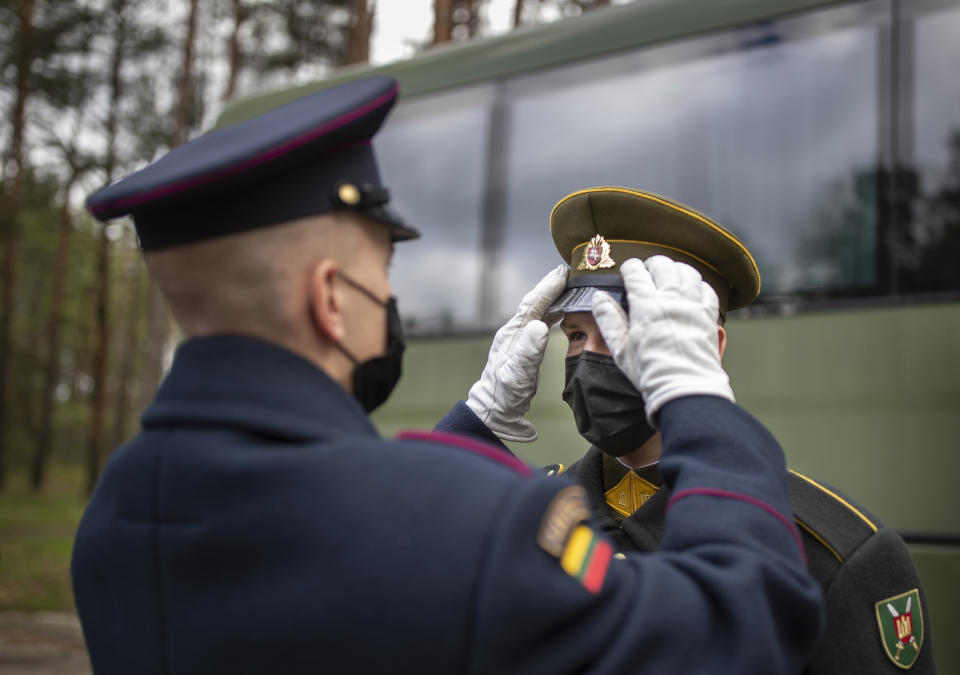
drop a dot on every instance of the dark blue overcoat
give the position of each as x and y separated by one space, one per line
259 524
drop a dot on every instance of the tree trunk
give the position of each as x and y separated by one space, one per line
233 50
442 21
517 13
473 17
94 449
27 367
52 375
358 44
12 214
102 309
159 321
127 351
184 111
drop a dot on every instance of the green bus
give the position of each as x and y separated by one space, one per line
826 135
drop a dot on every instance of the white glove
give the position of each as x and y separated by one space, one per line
668 347
502 395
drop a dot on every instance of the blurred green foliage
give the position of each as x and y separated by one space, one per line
41 223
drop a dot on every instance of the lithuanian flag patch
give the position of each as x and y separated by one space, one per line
586 558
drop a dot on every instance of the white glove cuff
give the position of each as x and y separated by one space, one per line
480 400
482 411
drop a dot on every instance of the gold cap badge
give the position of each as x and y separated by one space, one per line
596 255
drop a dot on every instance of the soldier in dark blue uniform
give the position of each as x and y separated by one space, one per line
877 619
259 524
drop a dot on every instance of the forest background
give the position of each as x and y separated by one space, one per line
91 90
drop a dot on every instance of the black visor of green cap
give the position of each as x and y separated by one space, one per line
578 295
596 229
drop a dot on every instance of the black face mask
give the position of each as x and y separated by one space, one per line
375 378
608 409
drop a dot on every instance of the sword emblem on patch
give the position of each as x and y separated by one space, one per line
900 619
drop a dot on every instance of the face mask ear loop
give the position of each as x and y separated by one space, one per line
363 290
311 307
343 350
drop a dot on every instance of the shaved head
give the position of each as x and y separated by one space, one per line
253 283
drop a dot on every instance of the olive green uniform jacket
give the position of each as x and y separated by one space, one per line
859 563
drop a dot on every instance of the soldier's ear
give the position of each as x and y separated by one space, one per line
325 301
722 339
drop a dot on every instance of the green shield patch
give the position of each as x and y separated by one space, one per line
901 627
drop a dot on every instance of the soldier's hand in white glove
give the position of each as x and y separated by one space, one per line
668 346
502 395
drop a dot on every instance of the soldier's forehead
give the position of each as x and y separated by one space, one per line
577 319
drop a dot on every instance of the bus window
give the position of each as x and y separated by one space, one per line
432 156
772 130
929 240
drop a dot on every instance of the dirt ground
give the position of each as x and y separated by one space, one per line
41 643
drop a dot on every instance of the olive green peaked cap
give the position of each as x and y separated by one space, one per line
598 228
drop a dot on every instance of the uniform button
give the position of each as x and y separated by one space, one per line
619 556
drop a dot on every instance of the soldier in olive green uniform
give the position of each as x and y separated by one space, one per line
877 618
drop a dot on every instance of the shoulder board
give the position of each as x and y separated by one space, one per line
830 517
469 444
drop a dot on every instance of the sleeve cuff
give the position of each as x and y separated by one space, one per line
461 420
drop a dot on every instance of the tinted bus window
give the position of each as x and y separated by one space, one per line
432 155
928 241
829 141
767 129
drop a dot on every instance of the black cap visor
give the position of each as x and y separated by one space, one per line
580 299
399 229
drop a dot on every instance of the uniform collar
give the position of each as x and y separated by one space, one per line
614 470
644 529
242 382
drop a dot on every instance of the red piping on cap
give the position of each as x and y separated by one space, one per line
256 160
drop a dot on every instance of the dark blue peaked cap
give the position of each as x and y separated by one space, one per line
307 157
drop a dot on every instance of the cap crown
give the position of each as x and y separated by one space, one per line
284 164
596 229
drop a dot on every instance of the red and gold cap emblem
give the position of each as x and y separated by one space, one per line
596 255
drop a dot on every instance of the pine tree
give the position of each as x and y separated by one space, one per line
42 41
